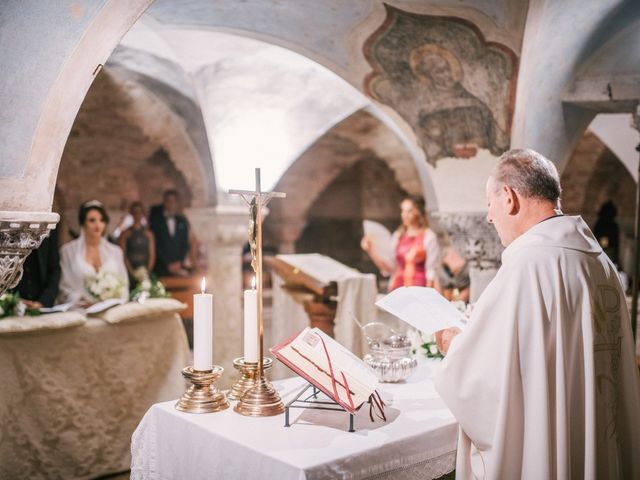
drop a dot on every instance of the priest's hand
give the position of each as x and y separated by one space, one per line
444 338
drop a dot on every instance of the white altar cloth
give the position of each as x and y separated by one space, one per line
417 441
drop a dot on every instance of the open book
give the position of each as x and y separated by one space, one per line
380 239
329 366
423 308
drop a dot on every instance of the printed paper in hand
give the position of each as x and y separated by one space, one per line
423 308
305 354
380 239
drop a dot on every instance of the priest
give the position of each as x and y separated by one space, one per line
543 381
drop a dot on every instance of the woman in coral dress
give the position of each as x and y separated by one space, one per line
417 254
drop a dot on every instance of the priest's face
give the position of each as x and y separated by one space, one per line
498 211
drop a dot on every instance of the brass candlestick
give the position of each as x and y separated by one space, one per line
249 378
261 400
202 396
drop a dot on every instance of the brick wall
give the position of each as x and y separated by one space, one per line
108 157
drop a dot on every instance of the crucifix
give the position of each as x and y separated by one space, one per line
261 400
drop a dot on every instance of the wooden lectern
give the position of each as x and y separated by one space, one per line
308 279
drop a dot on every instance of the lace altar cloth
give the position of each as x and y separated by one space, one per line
71 398
418 440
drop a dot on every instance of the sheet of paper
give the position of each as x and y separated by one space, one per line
63 307
380 239
104 305
423 308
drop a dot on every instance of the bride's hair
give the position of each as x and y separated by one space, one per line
86 207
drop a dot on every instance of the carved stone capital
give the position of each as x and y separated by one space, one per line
472 236
20 233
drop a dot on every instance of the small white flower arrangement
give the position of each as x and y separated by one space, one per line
148 286
104 286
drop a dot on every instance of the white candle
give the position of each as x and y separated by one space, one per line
202 330
250 326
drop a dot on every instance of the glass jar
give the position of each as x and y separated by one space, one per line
391 359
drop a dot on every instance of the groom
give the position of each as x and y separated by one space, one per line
543 382
171 231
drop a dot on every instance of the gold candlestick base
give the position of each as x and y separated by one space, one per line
261 400
202 395
249 377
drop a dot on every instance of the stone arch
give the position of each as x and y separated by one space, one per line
594 175
359 136
127 145
162 126
46 111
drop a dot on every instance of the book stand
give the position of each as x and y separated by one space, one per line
313 403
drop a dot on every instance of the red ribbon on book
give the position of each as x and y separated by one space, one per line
333 377
375 402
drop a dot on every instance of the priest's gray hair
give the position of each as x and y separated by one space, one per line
530 174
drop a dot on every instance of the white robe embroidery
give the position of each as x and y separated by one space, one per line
75 269
543 382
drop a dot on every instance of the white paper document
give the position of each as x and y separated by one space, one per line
61 307
423 308
103 305
380 239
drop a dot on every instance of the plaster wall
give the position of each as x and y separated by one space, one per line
616 131
460 184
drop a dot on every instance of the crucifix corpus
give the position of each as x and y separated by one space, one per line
262 399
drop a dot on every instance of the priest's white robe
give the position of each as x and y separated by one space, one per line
543 382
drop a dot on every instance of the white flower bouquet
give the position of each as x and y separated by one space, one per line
148 286
104 285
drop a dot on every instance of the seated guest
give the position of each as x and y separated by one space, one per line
453 277
84 258
171 231
38 286
137 242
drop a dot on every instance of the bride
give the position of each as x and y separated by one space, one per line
91 262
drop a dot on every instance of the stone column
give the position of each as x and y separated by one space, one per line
284 234
20 234
475 239
223 231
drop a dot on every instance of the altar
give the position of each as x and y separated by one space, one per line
417 441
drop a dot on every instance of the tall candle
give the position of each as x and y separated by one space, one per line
202 330
251 326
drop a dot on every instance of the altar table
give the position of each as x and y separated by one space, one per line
417 441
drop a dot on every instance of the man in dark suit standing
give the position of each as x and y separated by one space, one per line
171 230
38 286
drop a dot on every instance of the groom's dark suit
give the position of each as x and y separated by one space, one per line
169 248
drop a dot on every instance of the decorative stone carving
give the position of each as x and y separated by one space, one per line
20 233
471 234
